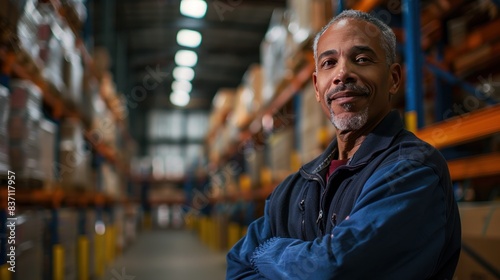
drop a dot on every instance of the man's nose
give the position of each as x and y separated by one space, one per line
344 74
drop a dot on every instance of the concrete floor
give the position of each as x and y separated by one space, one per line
168 255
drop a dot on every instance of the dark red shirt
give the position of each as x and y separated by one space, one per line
334 164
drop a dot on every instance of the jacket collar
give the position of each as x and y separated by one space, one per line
379 139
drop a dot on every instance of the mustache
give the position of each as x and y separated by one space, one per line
347 87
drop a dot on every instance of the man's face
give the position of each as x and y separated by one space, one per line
353 81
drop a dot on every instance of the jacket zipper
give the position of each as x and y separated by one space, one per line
322 183
302 223
320 214
333 219
319 179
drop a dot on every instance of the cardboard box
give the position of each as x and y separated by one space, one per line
310 123
244 107
481 241
322 13
476 252
110 181
74 161
480 220
107 127
222 105
254 160
253 80
281 147
47 146
301 14
248 97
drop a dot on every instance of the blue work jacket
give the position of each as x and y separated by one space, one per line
389 213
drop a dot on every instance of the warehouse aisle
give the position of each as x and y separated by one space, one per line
168 255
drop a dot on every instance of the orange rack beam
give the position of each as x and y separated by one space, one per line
474 167
464 128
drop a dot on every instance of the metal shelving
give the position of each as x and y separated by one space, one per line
51 197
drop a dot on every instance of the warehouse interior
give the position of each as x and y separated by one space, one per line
139 139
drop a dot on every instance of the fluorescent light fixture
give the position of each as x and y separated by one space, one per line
188 38
179 98
193 8
186 58
182 85
183 73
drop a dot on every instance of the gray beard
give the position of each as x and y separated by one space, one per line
352 123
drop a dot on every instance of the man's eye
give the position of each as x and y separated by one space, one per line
362 59
328 63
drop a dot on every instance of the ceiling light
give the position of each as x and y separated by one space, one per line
188 38
182 85
186 58
183 73
179 98
193 8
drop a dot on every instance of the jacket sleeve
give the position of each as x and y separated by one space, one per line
238 258
395 231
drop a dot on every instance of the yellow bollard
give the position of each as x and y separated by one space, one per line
99 250
266 176
147 221
245 183
295 161
200 229
114 242
204 231
213 233
110 244
207 231
233 234
4 272
58 262
196 224
83 258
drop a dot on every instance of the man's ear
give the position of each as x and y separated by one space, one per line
315 78
396 76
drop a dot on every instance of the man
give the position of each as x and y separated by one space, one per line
378 203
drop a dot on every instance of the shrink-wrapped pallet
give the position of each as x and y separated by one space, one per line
23 129
4 115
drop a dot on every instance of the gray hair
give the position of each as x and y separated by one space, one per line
388 37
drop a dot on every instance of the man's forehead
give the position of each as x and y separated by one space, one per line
364 27
362 32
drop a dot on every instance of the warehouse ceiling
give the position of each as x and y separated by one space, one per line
141 37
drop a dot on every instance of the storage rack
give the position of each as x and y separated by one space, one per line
52 199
